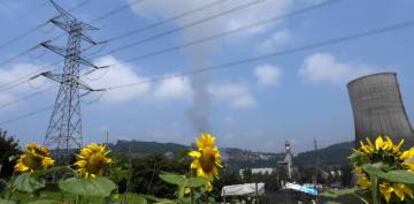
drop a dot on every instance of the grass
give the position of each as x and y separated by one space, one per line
340 196
25 198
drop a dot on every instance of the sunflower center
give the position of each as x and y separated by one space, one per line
33 162
96 163
207 160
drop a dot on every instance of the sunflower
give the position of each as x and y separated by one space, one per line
408 159
385 151
92 160
385 145
401 190
205 140
35 157
386 190
363 182
207 159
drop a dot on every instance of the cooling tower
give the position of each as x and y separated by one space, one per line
378 108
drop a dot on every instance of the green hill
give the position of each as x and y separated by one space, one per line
332 155
144 148
237 158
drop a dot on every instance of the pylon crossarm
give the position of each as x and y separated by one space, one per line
88 39
84 86
86 27
55 77
87 63
63 25
58 50
63 13
95 68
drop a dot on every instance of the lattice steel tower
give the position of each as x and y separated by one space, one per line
64 133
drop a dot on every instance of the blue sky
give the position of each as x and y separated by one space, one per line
254 106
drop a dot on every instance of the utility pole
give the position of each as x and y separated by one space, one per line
64 133
315 142
107 136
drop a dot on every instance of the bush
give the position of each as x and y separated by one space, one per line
8 150
145 175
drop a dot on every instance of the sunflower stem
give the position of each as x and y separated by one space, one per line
191 189
374 190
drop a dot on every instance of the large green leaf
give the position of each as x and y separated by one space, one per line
140 200
400 176
29 183
373 170
196 182
154 200
183 181
173 178
44 202
7 201
97 187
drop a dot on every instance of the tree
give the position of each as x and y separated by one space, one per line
9 150
145 175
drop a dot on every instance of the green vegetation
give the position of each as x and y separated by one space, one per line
9 149
332 155
140 148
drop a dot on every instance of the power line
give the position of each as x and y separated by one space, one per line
104 16
27 33
21 80
150 26
116 10
27 115
233 31
80 5
331 41
156 24
77 6
190 25
24 98
23 35
25 52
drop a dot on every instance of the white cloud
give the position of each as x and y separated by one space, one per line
324 67
268 75
122 73
15 73
276 42
237 95
119 74
173 88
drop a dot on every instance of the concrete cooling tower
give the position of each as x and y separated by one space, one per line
378 108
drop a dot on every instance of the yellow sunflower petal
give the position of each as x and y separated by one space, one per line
378 143
386 191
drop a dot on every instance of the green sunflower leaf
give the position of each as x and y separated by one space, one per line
44 202
154 200
97 187
176 179
400 176
29 183
196 182
7 201
373 169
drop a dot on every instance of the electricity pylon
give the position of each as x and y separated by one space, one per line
64 133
